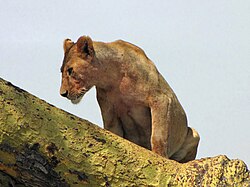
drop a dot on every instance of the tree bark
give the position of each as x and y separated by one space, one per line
41 145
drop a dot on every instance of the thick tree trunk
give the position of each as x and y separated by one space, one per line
41 145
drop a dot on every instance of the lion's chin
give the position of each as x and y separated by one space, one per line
76 101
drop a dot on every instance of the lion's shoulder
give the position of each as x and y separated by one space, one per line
127 46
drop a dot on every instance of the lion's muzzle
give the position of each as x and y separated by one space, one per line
64 93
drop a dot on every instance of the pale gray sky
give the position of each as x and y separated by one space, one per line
202 48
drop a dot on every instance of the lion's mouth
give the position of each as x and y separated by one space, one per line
77 98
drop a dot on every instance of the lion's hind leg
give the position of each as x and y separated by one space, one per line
188 150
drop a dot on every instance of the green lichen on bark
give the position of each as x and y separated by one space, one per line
41 142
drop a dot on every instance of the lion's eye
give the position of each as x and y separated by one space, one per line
70 70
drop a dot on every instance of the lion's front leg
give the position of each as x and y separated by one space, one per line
110 119
161 121
169 125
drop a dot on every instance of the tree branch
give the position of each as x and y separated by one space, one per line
41 145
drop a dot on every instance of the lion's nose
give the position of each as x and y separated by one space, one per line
64 93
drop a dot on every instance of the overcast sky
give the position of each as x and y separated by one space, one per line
202 48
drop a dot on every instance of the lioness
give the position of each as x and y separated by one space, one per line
136 102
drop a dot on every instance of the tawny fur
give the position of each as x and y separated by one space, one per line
135 100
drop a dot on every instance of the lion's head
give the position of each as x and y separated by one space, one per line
77 69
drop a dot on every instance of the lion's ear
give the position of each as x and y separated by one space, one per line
85 46
67 44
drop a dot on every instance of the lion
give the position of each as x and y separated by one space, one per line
135 100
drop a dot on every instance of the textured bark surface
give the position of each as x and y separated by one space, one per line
41 145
